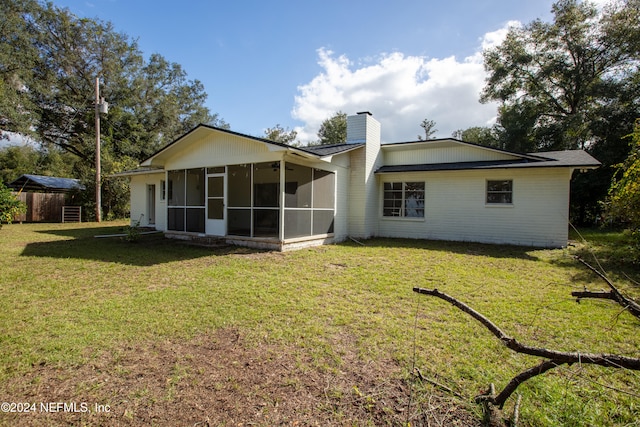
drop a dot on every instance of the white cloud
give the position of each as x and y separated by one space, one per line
400 91
495 38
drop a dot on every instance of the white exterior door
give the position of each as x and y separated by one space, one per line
216 205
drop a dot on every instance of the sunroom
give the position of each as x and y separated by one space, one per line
270 204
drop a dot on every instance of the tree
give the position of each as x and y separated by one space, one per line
429 127
16 160
478 135
280 134
50 81
18 56
563 75
571 83
624 194
10 206
334 129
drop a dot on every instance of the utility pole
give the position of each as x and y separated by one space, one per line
101 107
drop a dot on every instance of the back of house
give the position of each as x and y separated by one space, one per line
250 191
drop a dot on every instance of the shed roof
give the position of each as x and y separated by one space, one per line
54 184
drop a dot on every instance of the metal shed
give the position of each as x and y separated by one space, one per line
45 196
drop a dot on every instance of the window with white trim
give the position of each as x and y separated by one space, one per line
403 199
500 192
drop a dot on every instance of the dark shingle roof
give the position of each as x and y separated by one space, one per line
29 182
549 159
328 150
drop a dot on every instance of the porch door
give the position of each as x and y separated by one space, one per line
216 205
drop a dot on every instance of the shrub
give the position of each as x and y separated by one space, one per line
624 194
10 206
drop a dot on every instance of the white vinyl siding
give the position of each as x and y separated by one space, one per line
440 152
456 208
138 209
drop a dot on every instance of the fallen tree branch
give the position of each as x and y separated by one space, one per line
501 398
592 294
556 358
627 303
516 412
437 384
608 360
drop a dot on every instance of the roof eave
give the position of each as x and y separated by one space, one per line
136 172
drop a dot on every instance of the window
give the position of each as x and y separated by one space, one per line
403 199
500 192
163 190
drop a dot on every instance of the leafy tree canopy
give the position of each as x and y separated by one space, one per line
624 194
280 134
16 160
557 82
334 129
49 60
478 135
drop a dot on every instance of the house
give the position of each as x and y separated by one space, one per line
249 191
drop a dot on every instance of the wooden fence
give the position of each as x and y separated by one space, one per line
41 207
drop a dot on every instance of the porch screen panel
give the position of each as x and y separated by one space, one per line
297 223
239 222
266 222
324 184
323 222
185 190
195 220
239 200
266 199
195 187
309 201
175 219
176 188
239 182
266 184
298 181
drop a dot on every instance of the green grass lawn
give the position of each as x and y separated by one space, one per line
67 297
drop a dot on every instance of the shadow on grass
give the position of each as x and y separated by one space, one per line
610 250
149 250
463 248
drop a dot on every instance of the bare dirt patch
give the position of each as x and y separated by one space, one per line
221 379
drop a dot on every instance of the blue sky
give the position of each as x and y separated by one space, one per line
295 63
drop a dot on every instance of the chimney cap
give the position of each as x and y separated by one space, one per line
365 112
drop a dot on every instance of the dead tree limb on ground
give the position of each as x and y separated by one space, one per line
555 358
615 294
593 294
